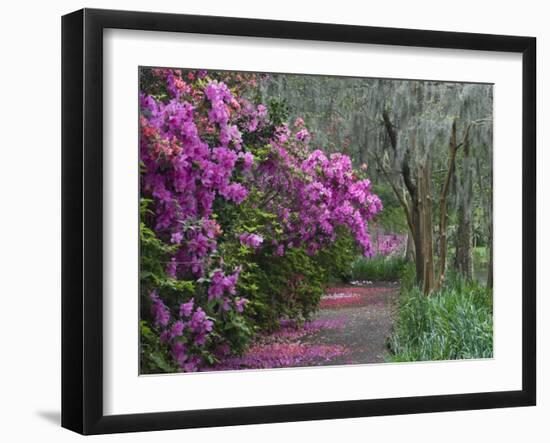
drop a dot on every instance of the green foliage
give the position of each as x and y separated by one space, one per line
335 261
290 286
278 114
154 253
283 286
392 218
276 286
454 323
407 276
279 111
153 84
153 354
481 255
379 268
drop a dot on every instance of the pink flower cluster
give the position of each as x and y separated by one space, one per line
185 333
282 355
285 348
353 297
221 283
313 194
289 329
189 158
190 151
389 244
159 311
252 240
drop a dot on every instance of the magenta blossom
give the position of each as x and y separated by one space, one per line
177 329
160 312
187 308
240 304
252 240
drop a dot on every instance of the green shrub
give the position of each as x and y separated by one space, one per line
481 254
407 276
454 323
379 268
154 253
290 285
335 260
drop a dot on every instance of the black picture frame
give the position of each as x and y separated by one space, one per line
82 218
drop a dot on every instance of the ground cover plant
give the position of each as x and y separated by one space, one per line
454 323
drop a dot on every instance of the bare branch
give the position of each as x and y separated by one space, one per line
398 194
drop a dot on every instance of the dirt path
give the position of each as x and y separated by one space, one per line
367 316
351 327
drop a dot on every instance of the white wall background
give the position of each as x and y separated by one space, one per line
30 220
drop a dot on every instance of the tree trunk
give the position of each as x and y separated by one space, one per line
464 245
426 228
463 259
490 251
418 245
419 214
409 252
412 212
490 236
453 147
487 205
464 250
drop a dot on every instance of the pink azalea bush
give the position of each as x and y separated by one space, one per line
390 244
212 162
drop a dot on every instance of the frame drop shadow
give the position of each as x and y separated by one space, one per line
52 416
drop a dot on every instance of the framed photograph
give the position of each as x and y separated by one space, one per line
269 221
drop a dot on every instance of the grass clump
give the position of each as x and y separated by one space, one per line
454 323
379 268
